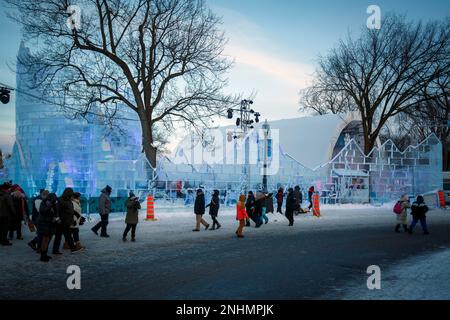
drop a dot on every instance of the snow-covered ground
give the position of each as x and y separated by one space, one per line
420 277
173 226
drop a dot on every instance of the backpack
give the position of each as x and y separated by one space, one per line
398 208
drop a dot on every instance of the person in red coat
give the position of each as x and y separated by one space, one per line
280 198
241 215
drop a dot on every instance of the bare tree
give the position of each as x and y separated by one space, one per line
319 100
160 58
432 116
384 70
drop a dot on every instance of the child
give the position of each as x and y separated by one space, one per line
402 218
418 211
241 215
214 206
132 217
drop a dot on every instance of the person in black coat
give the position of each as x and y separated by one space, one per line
250 207
46 224
214 206
7 212
66 215
290 206
22 213
35 244
418 211
260 203
310 194
199 210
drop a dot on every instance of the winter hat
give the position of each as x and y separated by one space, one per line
199 191
108 189
420 199
290 190
132 195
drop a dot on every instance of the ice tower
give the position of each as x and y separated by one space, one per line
54 152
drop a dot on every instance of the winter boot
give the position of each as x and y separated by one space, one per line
6 243
124 239
397 228
133 239
219 226
45 257
66 246
78 245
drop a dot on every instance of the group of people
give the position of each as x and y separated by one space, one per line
250 207
53 217
50 217
418 211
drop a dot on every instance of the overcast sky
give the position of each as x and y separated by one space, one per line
275 45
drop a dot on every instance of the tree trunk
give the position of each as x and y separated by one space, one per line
147 141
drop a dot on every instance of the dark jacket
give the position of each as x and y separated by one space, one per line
65 208
419 210
35 210
21 210
133 207
46 219
298 196
269 203
104 203
7 209
280 196
249 204
199 206
214 205
290 202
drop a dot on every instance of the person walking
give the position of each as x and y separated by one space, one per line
310 194
298 199
241 215
280 198
21 212
290 206
7 212
104 209
199 210
214 206
269 203
35 244
132 217
66 215
78 220
46 224
259 214
418 211
402 217
250 208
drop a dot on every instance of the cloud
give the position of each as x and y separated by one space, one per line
291 73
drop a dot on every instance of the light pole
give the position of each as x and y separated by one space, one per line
266 130
245 123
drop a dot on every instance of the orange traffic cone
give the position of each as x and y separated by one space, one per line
316 205
150 208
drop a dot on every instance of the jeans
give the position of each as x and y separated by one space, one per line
60 231
129 227
215 222
423 223
102 224
279 206
264 216
75 234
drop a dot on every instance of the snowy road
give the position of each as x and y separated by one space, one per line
318 258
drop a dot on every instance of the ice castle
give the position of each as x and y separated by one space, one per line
52 151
